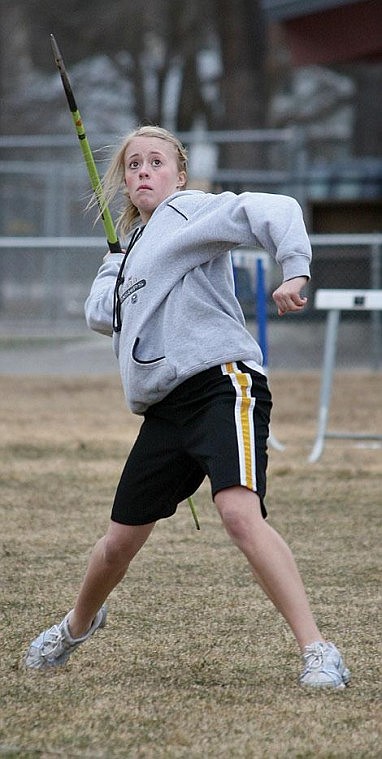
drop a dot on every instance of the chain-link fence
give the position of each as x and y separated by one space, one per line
48 260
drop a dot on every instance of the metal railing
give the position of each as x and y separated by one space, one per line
48 278
42 177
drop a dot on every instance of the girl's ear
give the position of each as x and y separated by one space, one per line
182 179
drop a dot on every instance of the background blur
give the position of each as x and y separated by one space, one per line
272 95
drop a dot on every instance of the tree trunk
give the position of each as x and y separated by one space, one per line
242 34
14 61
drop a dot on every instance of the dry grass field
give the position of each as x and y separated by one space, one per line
194 661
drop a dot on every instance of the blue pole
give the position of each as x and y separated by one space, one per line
261 300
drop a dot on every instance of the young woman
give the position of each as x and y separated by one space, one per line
191 368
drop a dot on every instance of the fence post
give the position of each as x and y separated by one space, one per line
376 349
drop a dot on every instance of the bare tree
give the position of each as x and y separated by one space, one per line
167 81
154 46
160 49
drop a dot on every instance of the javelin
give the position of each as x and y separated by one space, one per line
95 181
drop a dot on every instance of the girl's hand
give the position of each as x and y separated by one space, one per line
287 297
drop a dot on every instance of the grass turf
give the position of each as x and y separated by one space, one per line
194 661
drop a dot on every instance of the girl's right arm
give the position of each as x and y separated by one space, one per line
99 304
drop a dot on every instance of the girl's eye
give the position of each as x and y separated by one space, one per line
156 162
133 164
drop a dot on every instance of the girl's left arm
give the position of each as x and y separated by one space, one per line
277 224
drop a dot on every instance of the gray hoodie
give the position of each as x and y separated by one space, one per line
180 315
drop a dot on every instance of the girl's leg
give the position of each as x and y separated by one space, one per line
107 566
270 558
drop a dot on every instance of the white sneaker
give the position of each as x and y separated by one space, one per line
324 667
53 647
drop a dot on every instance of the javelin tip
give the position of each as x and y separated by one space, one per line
59 61
56 51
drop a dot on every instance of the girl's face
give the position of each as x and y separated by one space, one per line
151 173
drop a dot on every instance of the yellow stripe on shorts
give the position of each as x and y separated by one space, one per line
244 413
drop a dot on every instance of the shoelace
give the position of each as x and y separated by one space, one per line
314 656
55 636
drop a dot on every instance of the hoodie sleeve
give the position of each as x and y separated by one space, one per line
99 304
277 225
269 221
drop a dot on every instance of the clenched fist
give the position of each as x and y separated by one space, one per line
287 297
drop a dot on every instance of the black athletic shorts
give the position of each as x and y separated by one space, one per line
215 424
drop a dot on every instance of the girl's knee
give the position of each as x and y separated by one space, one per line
239 508
115 553
122 542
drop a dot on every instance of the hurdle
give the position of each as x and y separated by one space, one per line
334 302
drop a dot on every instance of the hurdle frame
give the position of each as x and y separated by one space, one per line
334 302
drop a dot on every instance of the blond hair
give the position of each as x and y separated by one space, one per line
114 179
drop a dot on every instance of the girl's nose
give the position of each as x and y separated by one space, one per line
143 172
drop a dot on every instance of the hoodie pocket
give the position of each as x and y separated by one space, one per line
144 361
150 379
